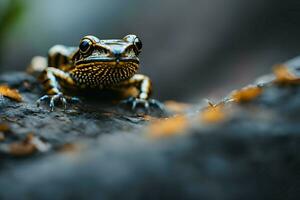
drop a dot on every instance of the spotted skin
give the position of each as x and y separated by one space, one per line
96 64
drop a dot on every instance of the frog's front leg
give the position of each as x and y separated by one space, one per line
49 79
144 87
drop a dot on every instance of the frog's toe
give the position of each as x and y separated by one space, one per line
64 102
146 104
142 102
43 98
57 98
156 103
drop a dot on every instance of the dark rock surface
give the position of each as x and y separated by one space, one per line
99 151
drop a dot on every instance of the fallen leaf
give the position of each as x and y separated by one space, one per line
177 107
246 94
28 146
212 114
13 94
23 148
168 127
284 76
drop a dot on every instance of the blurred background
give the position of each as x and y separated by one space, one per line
192 48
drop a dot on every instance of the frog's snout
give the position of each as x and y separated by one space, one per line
117 57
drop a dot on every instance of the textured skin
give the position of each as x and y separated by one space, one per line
96 64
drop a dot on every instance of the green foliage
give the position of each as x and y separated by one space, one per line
10 16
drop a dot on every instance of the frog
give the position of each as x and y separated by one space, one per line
97 64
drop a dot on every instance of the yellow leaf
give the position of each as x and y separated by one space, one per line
10 93
168 127
176 107
212 114
246 94
284 76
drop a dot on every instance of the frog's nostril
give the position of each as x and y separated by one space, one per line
117 55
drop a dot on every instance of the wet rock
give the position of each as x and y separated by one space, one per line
229 150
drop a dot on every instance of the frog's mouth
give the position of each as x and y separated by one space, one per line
107 60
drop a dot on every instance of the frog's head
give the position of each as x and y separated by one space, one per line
116 58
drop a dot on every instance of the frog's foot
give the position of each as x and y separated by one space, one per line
57 98
145 103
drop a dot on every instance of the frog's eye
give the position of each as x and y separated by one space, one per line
135 40
138 44
85 45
